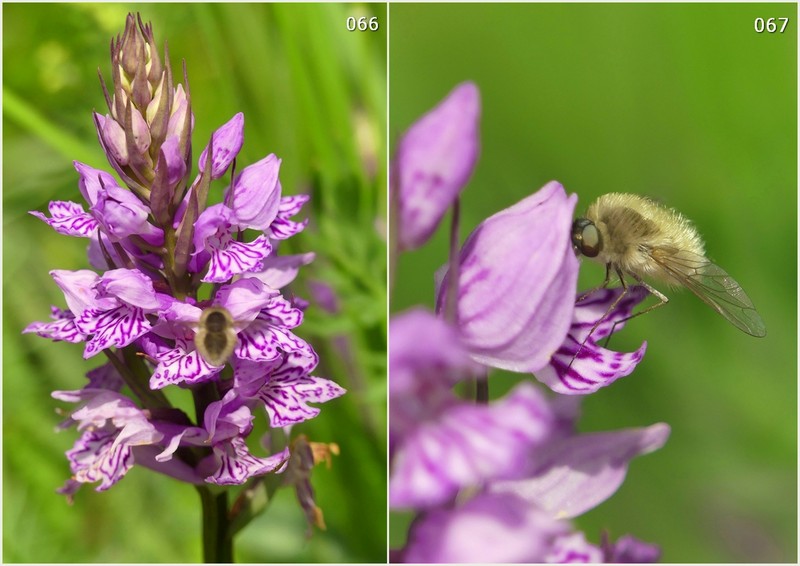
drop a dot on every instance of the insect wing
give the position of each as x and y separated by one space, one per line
714 286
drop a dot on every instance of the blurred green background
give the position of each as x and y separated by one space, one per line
686 103
314 94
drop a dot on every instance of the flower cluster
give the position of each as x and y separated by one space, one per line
162 254
498 480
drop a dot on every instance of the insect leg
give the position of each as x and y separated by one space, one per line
603 285
611 307
655 292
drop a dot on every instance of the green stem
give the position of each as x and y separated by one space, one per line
217 541
451 298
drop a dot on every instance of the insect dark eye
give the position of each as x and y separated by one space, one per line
586 238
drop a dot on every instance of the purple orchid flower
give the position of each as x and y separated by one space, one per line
154 240
434 161
447 444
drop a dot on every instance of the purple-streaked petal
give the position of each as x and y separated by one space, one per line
575 474
468 444
68 218
236 258
256 194
116 327
517 281
112 424
282 313
487 529
277 271
94 458
433 163
581 366
286 399
263 341
61 328
237 464
283 228
130 286
227 141
189 368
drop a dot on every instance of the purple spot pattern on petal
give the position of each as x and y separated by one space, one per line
236 258
189 368
116 327
286 398
96 457
262 341
69 218
579 370
283 228
237 464
282 313
61 328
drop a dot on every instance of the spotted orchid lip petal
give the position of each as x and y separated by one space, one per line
433 163
256 194
112 425
467 445
182 367
235 258
559 482
237 464
282 227
62 327
285 388
68 218
581 366
227 141
264 340
517 279
111 327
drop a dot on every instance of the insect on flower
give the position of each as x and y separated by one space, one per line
637 236
216 336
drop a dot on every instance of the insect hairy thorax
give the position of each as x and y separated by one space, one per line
215 338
